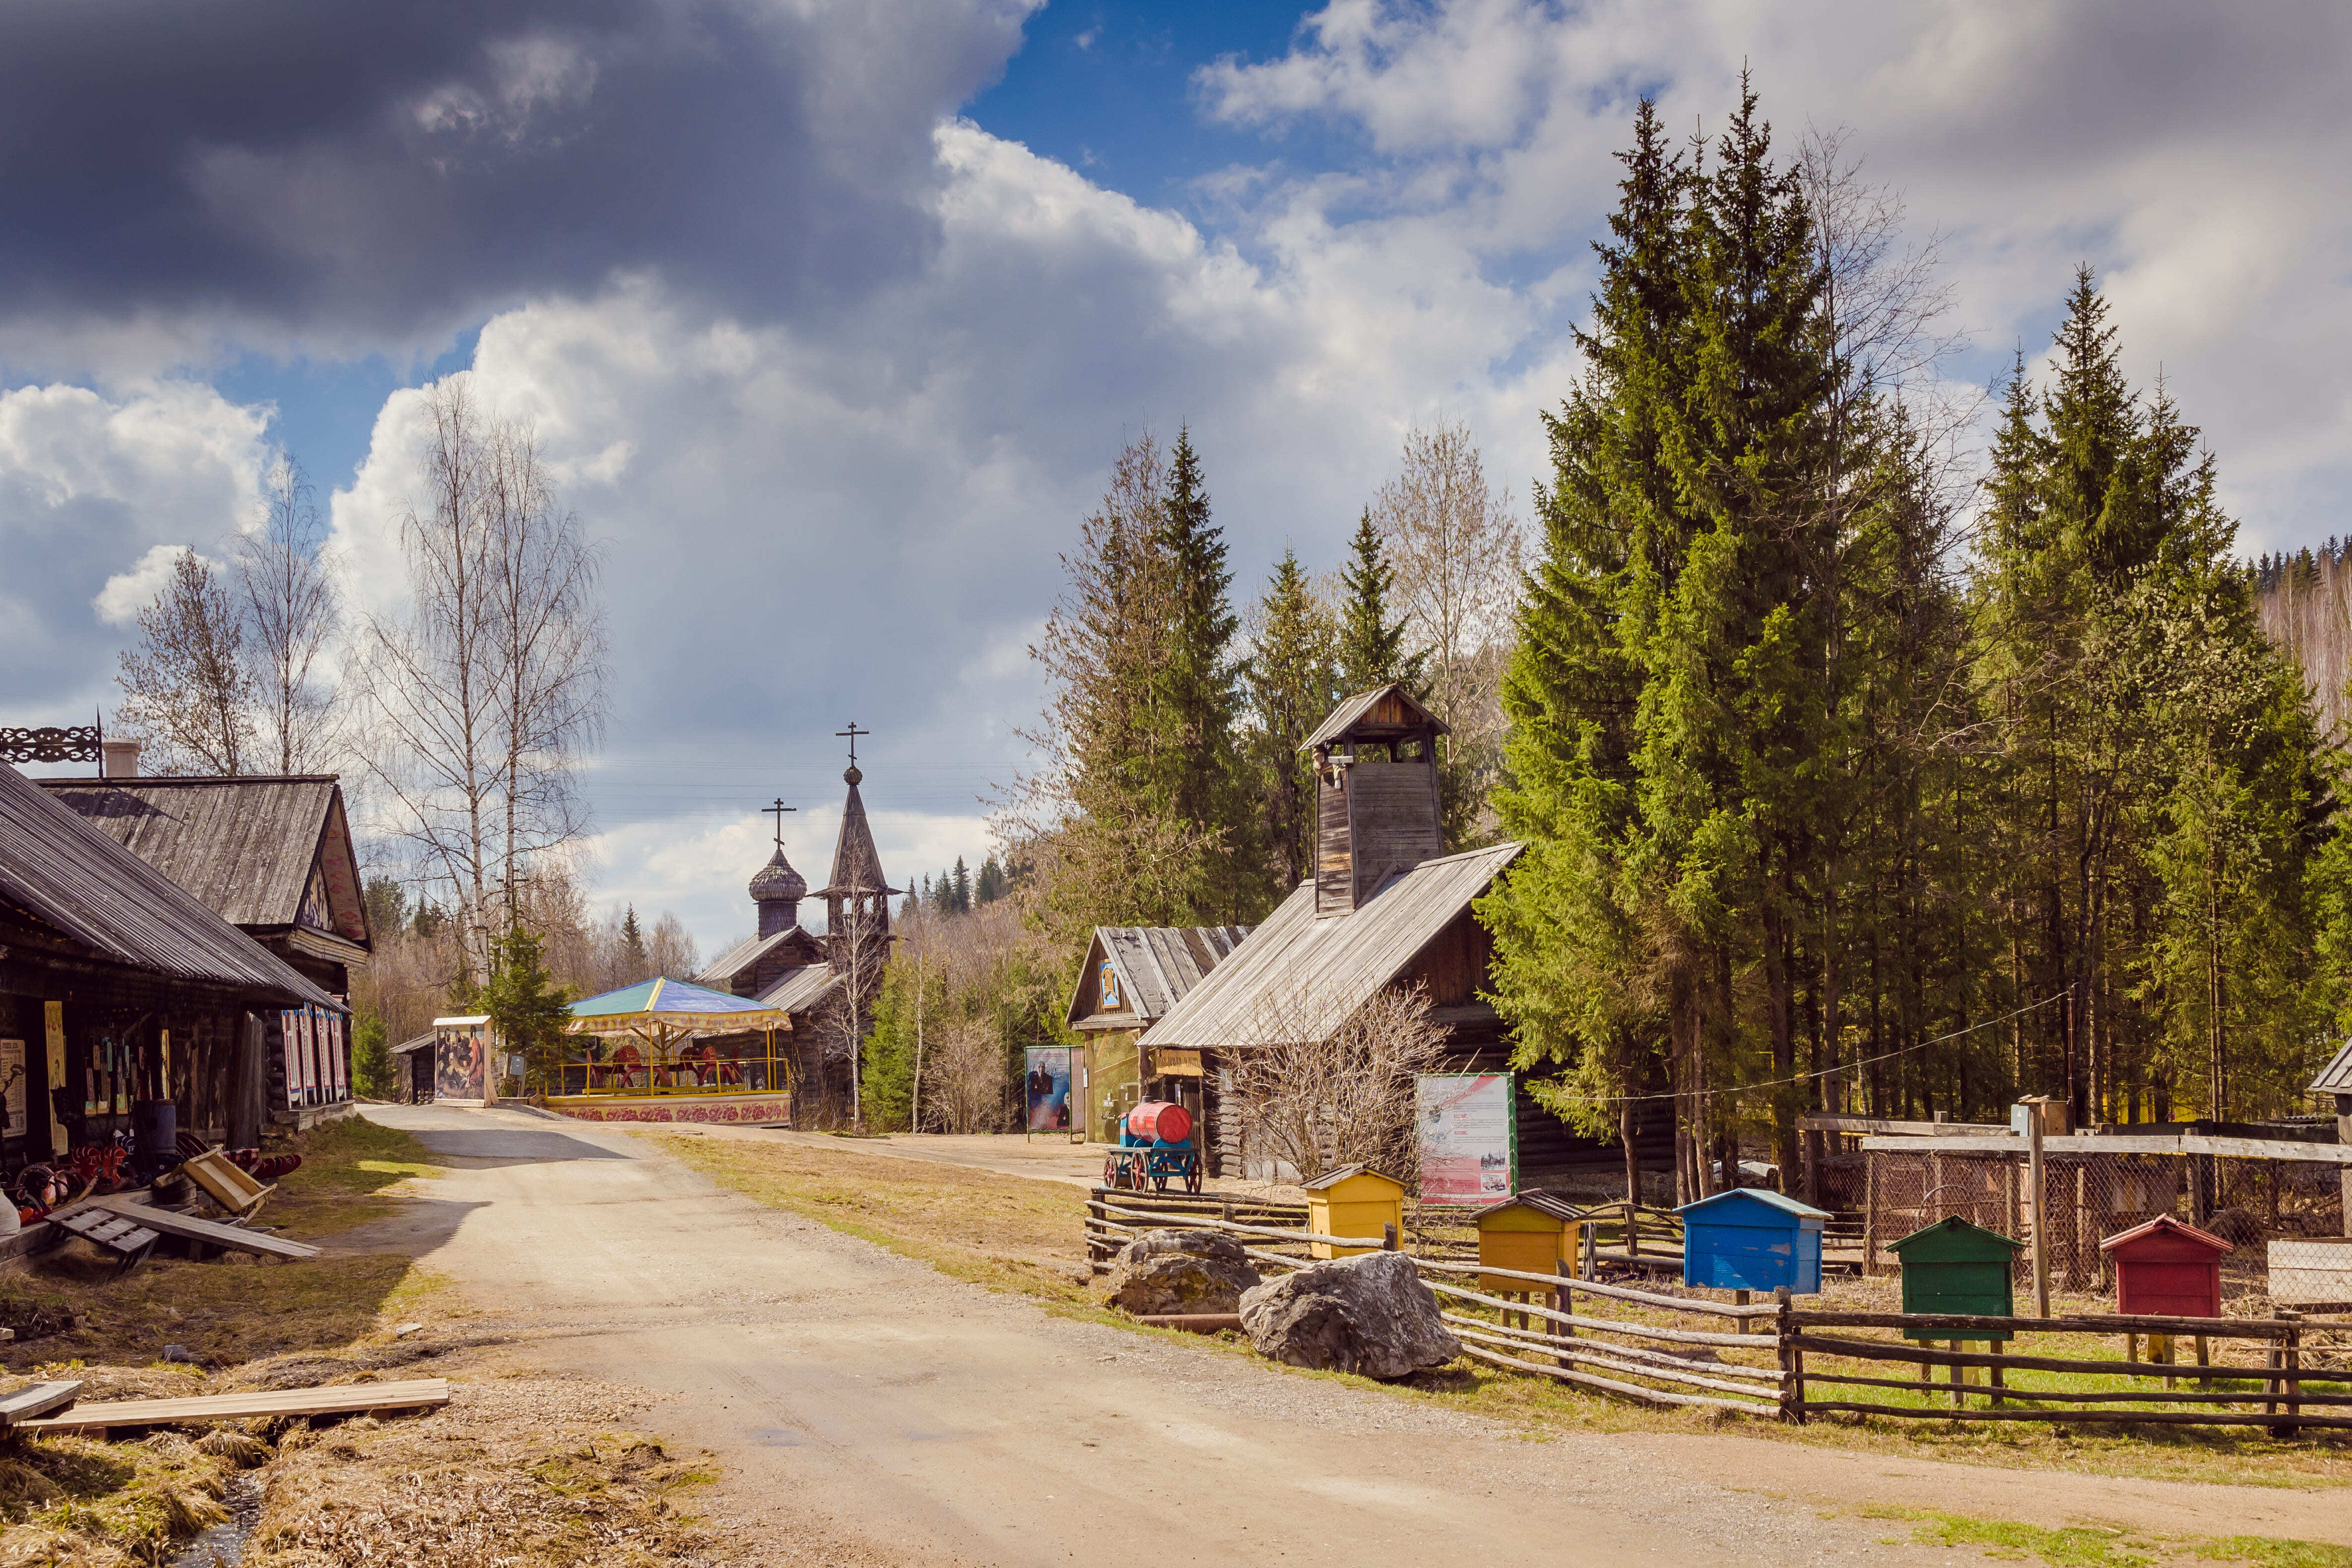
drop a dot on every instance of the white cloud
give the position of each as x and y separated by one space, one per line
127 592
98 490
2190 154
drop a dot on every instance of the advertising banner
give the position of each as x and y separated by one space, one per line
1469 1138
1048 1092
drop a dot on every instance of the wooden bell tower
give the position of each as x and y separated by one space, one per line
1376 799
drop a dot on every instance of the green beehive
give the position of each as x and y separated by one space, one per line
1953 1267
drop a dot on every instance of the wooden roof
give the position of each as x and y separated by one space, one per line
2165 1228
1329 1179
246 846
65 874
1316 972
2336 1077
1384 713
1542 1200
801 989
722 971
857 864
1157 966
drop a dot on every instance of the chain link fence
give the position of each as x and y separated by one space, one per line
2283 1217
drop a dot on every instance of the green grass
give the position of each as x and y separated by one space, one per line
2103 1546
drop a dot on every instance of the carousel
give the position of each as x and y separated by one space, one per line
663 1050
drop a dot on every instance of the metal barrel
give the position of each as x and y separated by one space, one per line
1160 1121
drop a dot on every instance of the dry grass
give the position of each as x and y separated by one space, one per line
80 1502
520 1471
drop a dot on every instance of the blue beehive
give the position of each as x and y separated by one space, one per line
1748 1239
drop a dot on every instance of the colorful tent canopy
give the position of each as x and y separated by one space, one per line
667 1007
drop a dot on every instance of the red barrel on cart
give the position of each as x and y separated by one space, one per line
1160 1122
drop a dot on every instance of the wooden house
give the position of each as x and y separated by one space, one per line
1131 976
1749 1239
1352 1201
120 992
1384 907
1955 1268
273 857
2168 1268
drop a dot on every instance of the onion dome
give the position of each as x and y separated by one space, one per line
777 880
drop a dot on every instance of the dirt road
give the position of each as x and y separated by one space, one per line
866 1409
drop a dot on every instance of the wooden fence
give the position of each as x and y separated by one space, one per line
1779 1361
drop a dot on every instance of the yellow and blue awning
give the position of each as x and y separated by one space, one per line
671 1006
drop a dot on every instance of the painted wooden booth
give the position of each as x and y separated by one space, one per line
1533 1232
1957 1269
2166 1269
1751 1239
1354 1200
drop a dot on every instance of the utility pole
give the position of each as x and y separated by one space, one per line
2039 1189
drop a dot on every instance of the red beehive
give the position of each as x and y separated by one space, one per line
2166 1270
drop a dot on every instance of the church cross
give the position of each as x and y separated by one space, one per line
852 732
777 811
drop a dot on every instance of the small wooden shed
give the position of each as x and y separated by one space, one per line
2166 1269
1957 1269
1534 1232
1354 1200
1752 1239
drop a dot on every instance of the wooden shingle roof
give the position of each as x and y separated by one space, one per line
1316 972
246 846
2336 1077
65 874
1380 714
1157 967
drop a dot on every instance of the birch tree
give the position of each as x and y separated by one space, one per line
1454 548
291 611
484 691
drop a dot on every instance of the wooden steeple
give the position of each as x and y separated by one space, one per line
1376 800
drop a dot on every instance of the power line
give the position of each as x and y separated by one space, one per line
1830 1072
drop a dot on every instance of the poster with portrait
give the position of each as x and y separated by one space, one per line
461 1064
1048 1092
18 1095
1469 1136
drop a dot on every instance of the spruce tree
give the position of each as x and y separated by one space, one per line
1291 685
961 896
635 960
1198 696
1372 646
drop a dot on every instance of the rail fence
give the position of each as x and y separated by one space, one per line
2283 1373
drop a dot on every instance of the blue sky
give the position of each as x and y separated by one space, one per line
832 320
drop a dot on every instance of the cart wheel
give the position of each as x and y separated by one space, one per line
1192 1178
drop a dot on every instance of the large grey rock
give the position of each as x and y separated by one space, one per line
1369 1314
1181 1271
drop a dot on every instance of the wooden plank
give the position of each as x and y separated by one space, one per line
195 1229
1913 1129
2070 1417
2123 1143
340 1400
35 1399
1954 1326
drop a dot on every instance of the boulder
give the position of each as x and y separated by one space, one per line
1171 1271
1369 1314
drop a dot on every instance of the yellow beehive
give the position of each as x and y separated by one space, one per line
1534 1232
1352 1201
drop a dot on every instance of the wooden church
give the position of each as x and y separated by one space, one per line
827 983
